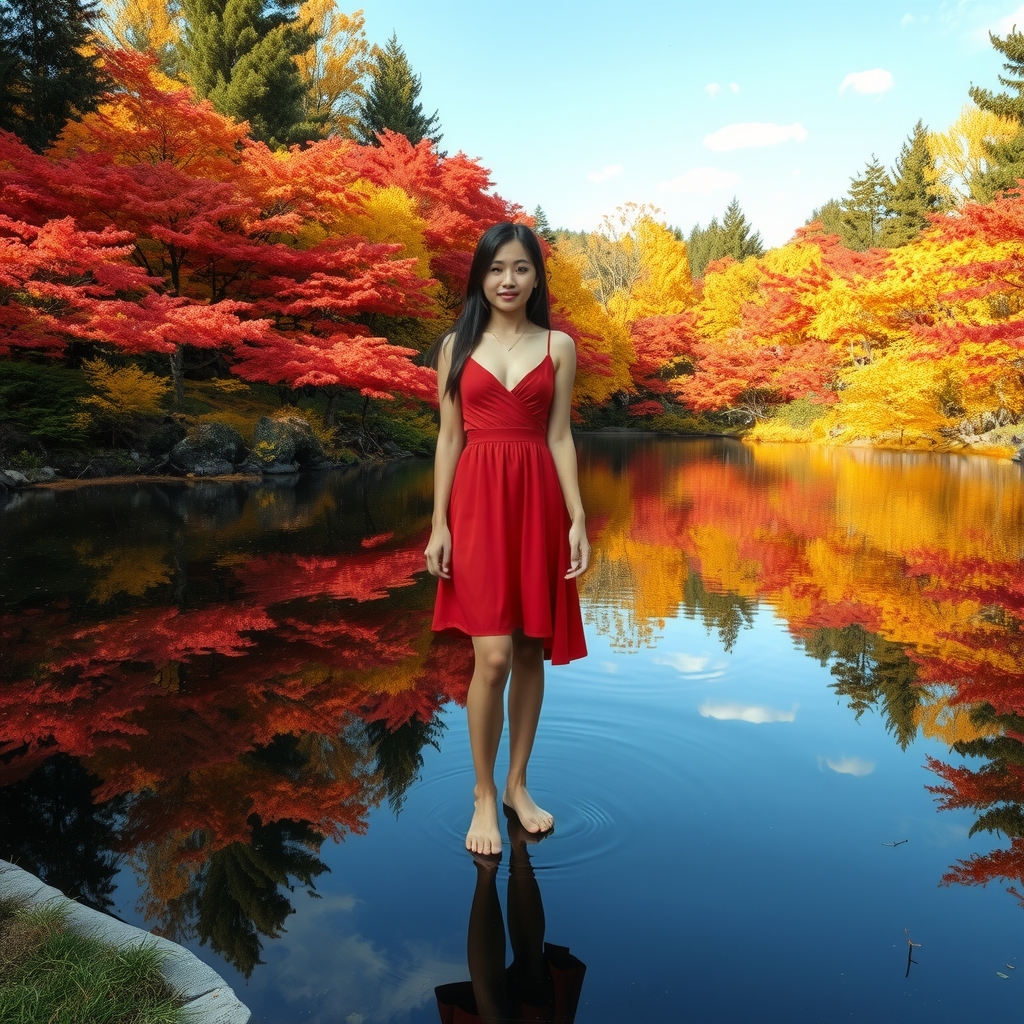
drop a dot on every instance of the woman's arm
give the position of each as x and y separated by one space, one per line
563 451
451 439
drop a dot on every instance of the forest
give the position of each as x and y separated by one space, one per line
231 212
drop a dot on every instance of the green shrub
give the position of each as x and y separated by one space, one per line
42 399
800 413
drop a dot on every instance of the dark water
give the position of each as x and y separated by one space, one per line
797 744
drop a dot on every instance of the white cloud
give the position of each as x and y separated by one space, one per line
851 766
907 19
712 89
868 83
757 714
752 134
700 179
610 667
733 88
606 173
685 663
334 973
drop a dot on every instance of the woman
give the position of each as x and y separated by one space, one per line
508 535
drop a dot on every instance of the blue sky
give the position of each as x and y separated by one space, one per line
580 107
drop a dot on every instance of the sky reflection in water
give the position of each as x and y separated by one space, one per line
785 646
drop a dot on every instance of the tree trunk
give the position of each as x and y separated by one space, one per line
177 376
332 402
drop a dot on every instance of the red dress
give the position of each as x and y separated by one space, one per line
508 520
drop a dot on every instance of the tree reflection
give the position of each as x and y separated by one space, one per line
50 826
213 712
870 670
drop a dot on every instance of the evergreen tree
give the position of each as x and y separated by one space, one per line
911 196
392 101
1006 160
738 240
732 237
830 216
542 227
47 73
864 208
240 55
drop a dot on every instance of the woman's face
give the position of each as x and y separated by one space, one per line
510 279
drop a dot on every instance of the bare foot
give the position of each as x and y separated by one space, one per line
533 818
483 836
518 837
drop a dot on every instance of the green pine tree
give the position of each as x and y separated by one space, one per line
239 54
910 197
392 101
542 227
733 237
1006 160
830 216
864 208
47 74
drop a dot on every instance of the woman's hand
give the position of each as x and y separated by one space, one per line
579 550
439 552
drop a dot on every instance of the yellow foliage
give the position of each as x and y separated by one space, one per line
598 331
663 286
609 260
125 570
961 152
152 26
125 393
725 292
894 401
335 68
385 214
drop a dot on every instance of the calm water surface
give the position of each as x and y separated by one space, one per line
796 745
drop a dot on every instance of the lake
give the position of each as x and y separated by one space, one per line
788 780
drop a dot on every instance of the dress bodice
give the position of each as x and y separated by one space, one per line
488 405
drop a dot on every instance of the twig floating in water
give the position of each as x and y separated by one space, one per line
910 950
899 842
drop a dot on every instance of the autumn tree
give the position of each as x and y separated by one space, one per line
911 196
150 26
609 258
335 68
962 153
392 103
1006 158
864 208
240 54
662 285
733 237
48 73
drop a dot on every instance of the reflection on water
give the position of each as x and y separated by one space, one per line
543 981
201 684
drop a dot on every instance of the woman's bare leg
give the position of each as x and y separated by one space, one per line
525 696
486 713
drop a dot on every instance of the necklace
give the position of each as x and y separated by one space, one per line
507 348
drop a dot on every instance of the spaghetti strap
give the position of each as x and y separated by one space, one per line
549 343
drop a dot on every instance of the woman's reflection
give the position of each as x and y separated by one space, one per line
543 982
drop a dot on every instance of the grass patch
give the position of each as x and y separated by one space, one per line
52 975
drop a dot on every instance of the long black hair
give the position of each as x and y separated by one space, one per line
476 310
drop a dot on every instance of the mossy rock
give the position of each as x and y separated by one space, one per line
210 449
287 441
